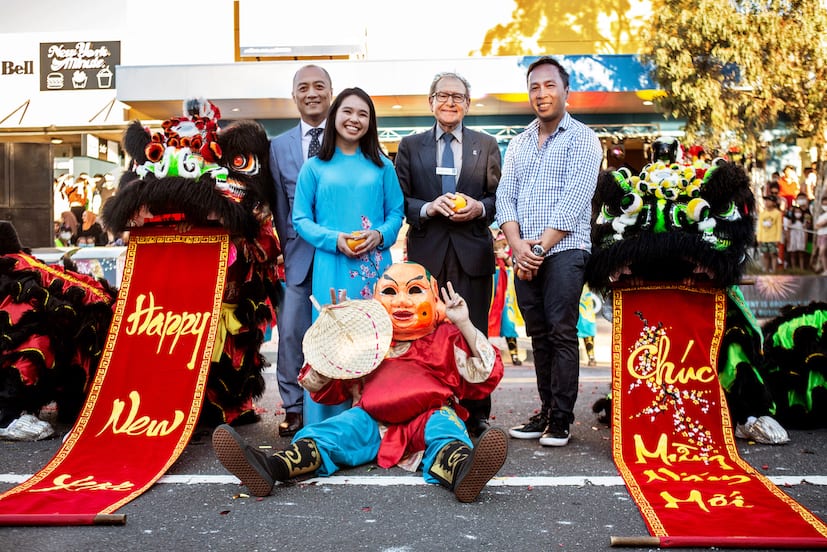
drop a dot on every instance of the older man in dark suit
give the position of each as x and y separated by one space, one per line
449 176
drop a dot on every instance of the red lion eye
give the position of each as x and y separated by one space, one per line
244 163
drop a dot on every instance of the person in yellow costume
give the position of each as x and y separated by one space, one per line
587 323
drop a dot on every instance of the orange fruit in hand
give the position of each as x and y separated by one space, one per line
459 203
355 241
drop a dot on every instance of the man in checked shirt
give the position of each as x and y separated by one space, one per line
544 209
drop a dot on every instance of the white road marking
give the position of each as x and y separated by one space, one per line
413 480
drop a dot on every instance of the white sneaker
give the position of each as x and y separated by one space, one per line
763 430
556 434
532 429
27 428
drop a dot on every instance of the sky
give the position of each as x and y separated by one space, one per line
179 29
393 29
195 32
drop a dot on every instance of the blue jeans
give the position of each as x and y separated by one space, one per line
550 307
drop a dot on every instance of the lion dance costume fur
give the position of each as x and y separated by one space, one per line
192 171
679 222
53 325
795 364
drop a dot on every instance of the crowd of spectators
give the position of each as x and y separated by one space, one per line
791 234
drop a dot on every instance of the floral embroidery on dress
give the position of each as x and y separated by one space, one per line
368 269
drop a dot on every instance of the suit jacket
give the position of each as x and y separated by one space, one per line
286 161
428 238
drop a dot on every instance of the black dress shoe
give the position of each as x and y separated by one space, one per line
293 422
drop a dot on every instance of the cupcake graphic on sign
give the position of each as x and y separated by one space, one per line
79 79
104 77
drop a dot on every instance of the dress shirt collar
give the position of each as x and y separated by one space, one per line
306 128
457 132
565 123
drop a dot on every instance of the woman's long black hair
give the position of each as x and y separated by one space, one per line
369 143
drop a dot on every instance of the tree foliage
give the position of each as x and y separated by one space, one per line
732 69
562 27
796 63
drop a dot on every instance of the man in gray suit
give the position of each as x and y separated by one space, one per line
312 92
439 170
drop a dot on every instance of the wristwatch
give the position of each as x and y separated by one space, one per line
538 250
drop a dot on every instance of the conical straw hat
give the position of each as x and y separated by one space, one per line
348 340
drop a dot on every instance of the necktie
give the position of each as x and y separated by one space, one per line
315 145
449 181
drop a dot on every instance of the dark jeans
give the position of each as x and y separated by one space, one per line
550 307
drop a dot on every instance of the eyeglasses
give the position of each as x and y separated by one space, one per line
442 97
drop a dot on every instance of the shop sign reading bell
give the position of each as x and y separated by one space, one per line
12 68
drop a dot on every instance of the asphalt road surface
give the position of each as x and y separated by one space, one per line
568 498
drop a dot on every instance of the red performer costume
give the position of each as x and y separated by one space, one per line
406 412
431 380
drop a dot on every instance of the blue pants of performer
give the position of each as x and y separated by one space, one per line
351 438
315 413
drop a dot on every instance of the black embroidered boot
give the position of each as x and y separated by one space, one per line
257 470
464 470
301 458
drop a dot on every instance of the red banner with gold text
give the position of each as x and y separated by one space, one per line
672 437
146 396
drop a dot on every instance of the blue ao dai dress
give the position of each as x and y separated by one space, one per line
346 193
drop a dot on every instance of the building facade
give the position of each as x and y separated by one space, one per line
74 74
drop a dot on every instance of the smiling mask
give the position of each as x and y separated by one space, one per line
411 296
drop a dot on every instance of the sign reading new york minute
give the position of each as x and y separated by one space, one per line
78 65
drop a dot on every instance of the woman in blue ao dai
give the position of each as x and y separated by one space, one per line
349 191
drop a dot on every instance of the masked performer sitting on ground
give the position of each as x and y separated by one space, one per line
192 173
691 224
406 412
